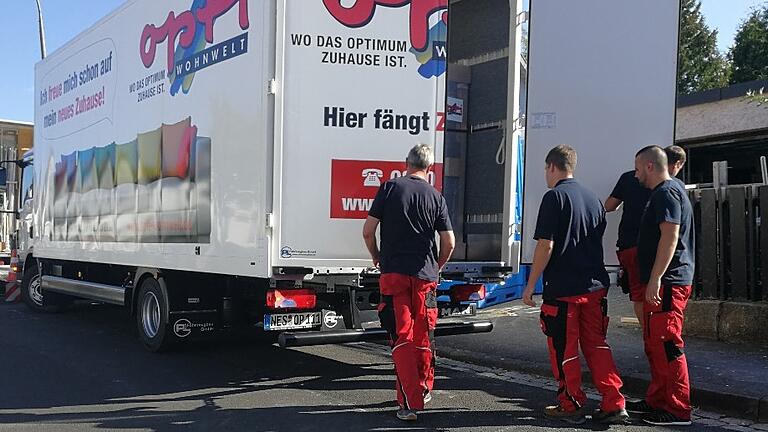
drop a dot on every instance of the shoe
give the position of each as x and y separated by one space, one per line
639 407
560 413
663 418
612 417
427 396
406 415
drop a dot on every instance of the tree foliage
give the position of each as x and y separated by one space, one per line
700 64
749 55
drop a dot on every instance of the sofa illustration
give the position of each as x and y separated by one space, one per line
154 189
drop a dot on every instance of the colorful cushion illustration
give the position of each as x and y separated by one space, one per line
126 163
154 189
70 167
176 149
105 163
149 156
86 168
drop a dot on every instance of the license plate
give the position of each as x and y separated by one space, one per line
292 321
457 311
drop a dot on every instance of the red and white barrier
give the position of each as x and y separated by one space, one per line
12 287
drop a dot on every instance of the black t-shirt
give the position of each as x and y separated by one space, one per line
410 211
574 218
634 196
668 203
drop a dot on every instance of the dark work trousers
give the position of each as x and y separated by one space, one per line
568 323
403 311
669 389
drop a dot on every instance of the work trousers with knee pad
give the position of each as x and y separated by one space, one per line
408 311
571 322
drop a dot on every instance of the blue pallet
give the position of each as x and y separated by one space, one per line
496 293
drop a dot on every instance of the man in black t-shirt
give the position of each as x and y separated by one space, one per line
569 253
629 192
675 160
410 212
665 251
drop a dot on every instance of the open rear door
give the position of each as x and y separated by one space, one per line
602 79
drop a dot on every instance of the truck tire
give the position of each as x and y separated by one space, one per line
152 316
32 291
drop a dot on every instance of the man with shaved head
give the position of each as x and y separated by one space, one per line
665 253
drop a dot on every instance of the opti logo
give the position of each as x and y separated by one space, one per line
193 29
428 43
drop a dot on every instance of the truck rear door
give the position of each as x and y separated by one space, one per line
358 86
601 79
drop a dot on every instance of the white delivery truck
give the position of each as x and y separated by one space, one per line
208 164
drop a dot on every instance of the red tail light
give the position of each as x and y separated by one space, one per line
291 299
469 292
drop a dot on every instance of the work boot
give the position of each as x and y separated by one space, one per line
560 413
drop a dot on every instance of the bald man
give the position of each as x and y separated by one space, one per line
665 253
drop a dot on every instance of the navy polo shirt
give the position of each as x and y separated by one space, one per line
668 203
634 196
574 218
410 210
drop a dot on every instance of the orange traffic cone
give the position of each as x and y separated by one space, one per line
12 288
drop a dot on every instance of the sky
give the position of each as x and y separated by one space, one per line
20 50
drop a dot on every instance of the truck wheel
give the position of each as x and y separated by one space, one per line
32 291
152 316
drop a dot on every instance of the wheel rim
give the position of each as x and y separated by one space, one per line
36 291
150 314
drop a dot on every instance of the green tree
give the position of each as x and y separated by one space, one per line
700 64
749 55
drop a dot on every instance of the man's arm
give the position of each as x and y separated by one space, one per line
612 204
447 245
664 253
369 235
541 257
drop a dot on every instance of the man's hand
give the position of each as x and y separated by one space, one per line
652 292
376 262
528 295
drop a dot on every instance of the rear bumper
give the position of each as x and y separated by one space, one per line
290 339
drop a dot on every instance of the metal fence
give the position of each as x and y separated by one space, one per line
730 257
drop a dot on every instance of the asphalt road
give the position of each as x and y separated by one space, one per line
85 370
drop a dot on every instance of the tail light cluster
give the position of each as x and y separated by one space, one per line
467 293
291 299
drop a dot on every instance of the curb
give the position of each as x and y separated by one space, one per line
732 405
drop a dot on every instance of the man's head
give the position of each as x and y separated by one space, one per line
675 159
560 163
651 166
420 158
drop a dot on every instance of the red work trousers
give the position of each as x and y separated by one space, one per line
669 389
408 311
571 322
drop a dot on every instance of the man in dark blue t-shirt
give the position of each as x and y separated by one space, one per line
665 251
629 192
569 253
410 212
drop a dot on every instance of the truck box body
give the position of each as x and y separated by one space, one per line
164 142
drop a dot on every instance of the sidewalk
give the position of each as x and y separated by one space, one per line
725 378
